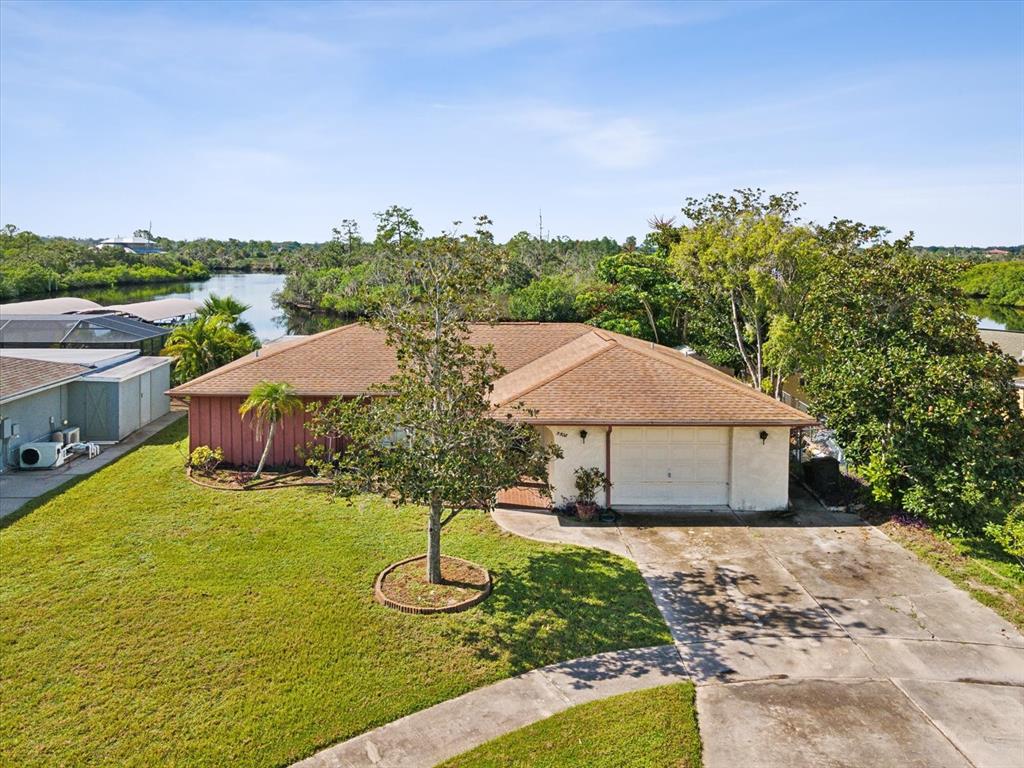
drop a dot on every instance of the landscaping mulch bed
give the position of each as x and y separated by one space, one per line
240 480
404 586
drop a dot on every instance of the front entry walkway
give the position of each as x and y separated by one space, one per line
813 638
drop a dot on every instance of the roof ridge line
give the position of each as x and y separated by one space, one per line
558 374
704 371
254 356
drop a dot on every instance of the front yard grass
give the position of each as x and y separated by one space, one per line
145 620
655 728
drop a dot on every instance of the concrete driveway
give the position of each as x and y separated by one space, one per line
817 641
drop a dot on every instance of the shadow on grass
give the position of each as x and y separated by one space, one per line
585 600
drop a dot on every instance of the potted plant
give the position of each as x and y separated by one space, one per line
588 481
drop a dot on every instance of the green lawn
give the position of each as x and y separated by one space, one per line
145 620
656 728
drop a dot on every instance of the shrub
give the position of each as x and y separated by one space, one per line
1009 534
549 299
589 480
205 459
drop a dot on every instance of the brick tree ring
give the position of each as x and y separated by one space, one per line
402 586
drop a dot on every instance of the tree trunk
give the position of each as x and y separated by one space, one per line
266 450
736 326
434 542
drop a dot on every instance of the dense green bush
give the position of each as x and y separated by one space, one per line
921 406
1009 534
31 266
999 282
548 299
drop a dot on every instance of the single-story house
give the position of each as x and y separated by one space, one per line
666 428
1010 343
107 394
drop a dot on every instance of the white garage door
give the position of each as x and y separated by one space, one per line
670 465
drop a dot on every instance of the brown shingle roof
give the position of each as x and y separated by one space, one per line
634 382
1010 342
350 359
568 372
19 375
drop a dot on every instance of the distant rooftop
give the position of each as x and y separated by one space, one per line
158 310
43 330
1011 342
133 240
57 306
90 358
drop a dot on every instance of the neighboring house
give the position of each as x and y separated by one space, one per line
59 305
107 394
667 429
140 245
163 311
75 331
1011 343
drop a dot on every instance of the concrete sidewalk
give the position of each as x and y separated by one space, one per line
433 735
17 488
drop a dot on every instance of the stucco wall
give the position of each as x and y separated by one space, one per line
33 415
577 453
759 477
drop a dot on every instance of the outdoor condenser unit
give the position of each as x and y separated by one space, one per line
41 455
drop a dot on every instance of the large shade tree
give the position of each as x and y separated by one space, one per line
923 408
748 253
429 436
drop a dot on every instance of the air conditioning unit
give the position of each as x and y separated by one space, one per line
71 435
41 455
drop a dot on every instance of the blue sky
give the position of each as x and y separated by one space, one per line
277 120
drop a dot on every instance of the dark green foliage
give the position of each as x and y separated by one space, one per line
31 265
637 294
205 343
923 408
549 299
998 282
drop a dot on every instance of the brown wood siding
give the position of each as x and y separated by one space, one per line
214 421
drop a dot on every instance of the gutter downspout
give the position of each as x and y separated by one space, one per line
608 467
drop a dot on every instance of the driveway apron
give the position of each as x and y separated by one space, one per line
815 640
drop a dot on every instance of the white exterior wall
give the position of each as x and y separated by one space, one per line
577 453
759 476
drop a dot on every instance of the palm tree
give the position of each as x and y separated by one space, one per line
206 343
269 402
231 308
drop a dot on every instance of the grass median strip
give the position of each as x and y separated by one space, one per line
653 728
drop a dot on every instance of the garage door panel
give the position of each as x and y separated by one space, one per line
670 465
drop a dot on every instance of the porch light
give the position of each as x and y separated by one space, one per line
583 435
763 436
